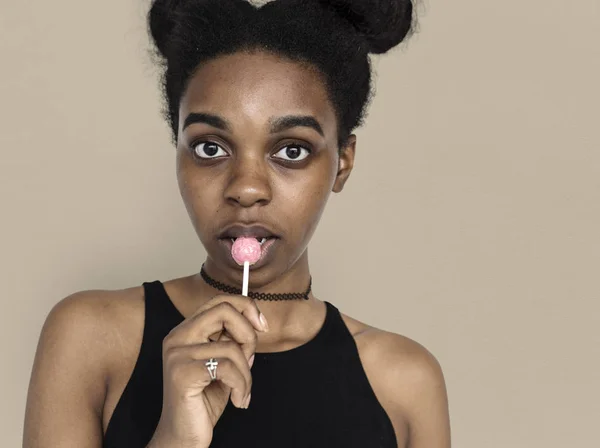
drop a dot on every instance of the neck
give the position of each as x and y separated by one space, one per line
280 314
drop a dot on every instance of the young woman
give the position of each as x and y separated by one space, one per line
262 101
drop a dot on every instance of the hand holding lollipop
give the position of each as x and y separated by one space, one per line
193 401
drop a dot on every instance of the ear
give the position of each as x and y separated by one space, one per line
345 164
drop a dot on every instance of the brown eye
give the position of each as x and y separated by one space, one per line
294 153
208 150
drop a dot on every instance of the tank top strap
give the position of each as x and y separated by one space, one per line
161 313
335 333
351 372
160 317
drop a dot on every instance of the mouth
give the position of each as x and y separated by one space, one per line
266 251
261 241
261 233
264 235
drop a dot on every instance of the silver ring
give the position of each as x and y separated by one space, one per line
211 365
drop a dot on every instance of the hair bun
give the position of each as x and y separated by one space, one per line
383 23
161 21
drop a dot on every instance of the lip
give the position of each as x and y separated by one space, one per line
266 253
253 231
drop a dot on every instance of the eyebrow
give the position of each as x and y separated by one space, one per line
291 121
213 120
279 124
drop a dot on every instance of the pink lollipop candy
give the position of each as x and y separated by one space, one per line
246 249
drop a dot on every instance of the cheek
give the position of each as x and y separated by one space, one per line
304 198
198 192
309 211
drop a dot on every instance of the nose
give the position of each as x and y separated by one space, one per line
249 183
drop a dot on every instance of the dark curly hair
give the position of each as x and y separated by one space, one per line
334 36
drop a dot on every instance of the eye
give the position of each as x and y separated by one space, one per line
293 153
208 150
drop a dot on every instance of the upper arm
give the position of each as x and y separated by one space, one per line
414 390
68 379
426 405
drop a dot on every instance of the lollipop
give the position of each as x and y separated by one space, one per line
246 251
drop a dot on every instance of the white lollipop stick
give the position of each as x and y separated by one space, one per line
246 277
245 251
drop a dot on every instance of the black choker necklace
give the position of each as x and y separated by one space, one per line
255 295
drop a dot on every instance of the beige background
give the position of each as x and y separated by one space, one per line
475 200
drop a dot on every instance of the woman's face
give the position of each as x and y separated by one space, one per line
257 156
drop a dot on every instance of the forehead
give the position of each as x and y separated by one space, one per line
257 86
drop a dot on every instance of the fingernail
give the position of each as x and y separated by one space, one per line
251 360
263 321
248 400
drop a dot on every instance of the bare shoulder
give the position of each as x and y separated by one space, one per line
396 358
408 382
404 359
101 303
95 323
109 326
93 316
402 356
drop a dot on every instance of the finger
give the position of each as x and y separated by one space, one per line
200 327
189 376
219 350
244 305
228 373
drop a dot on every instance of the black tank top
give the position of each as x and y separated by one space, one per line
330 405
